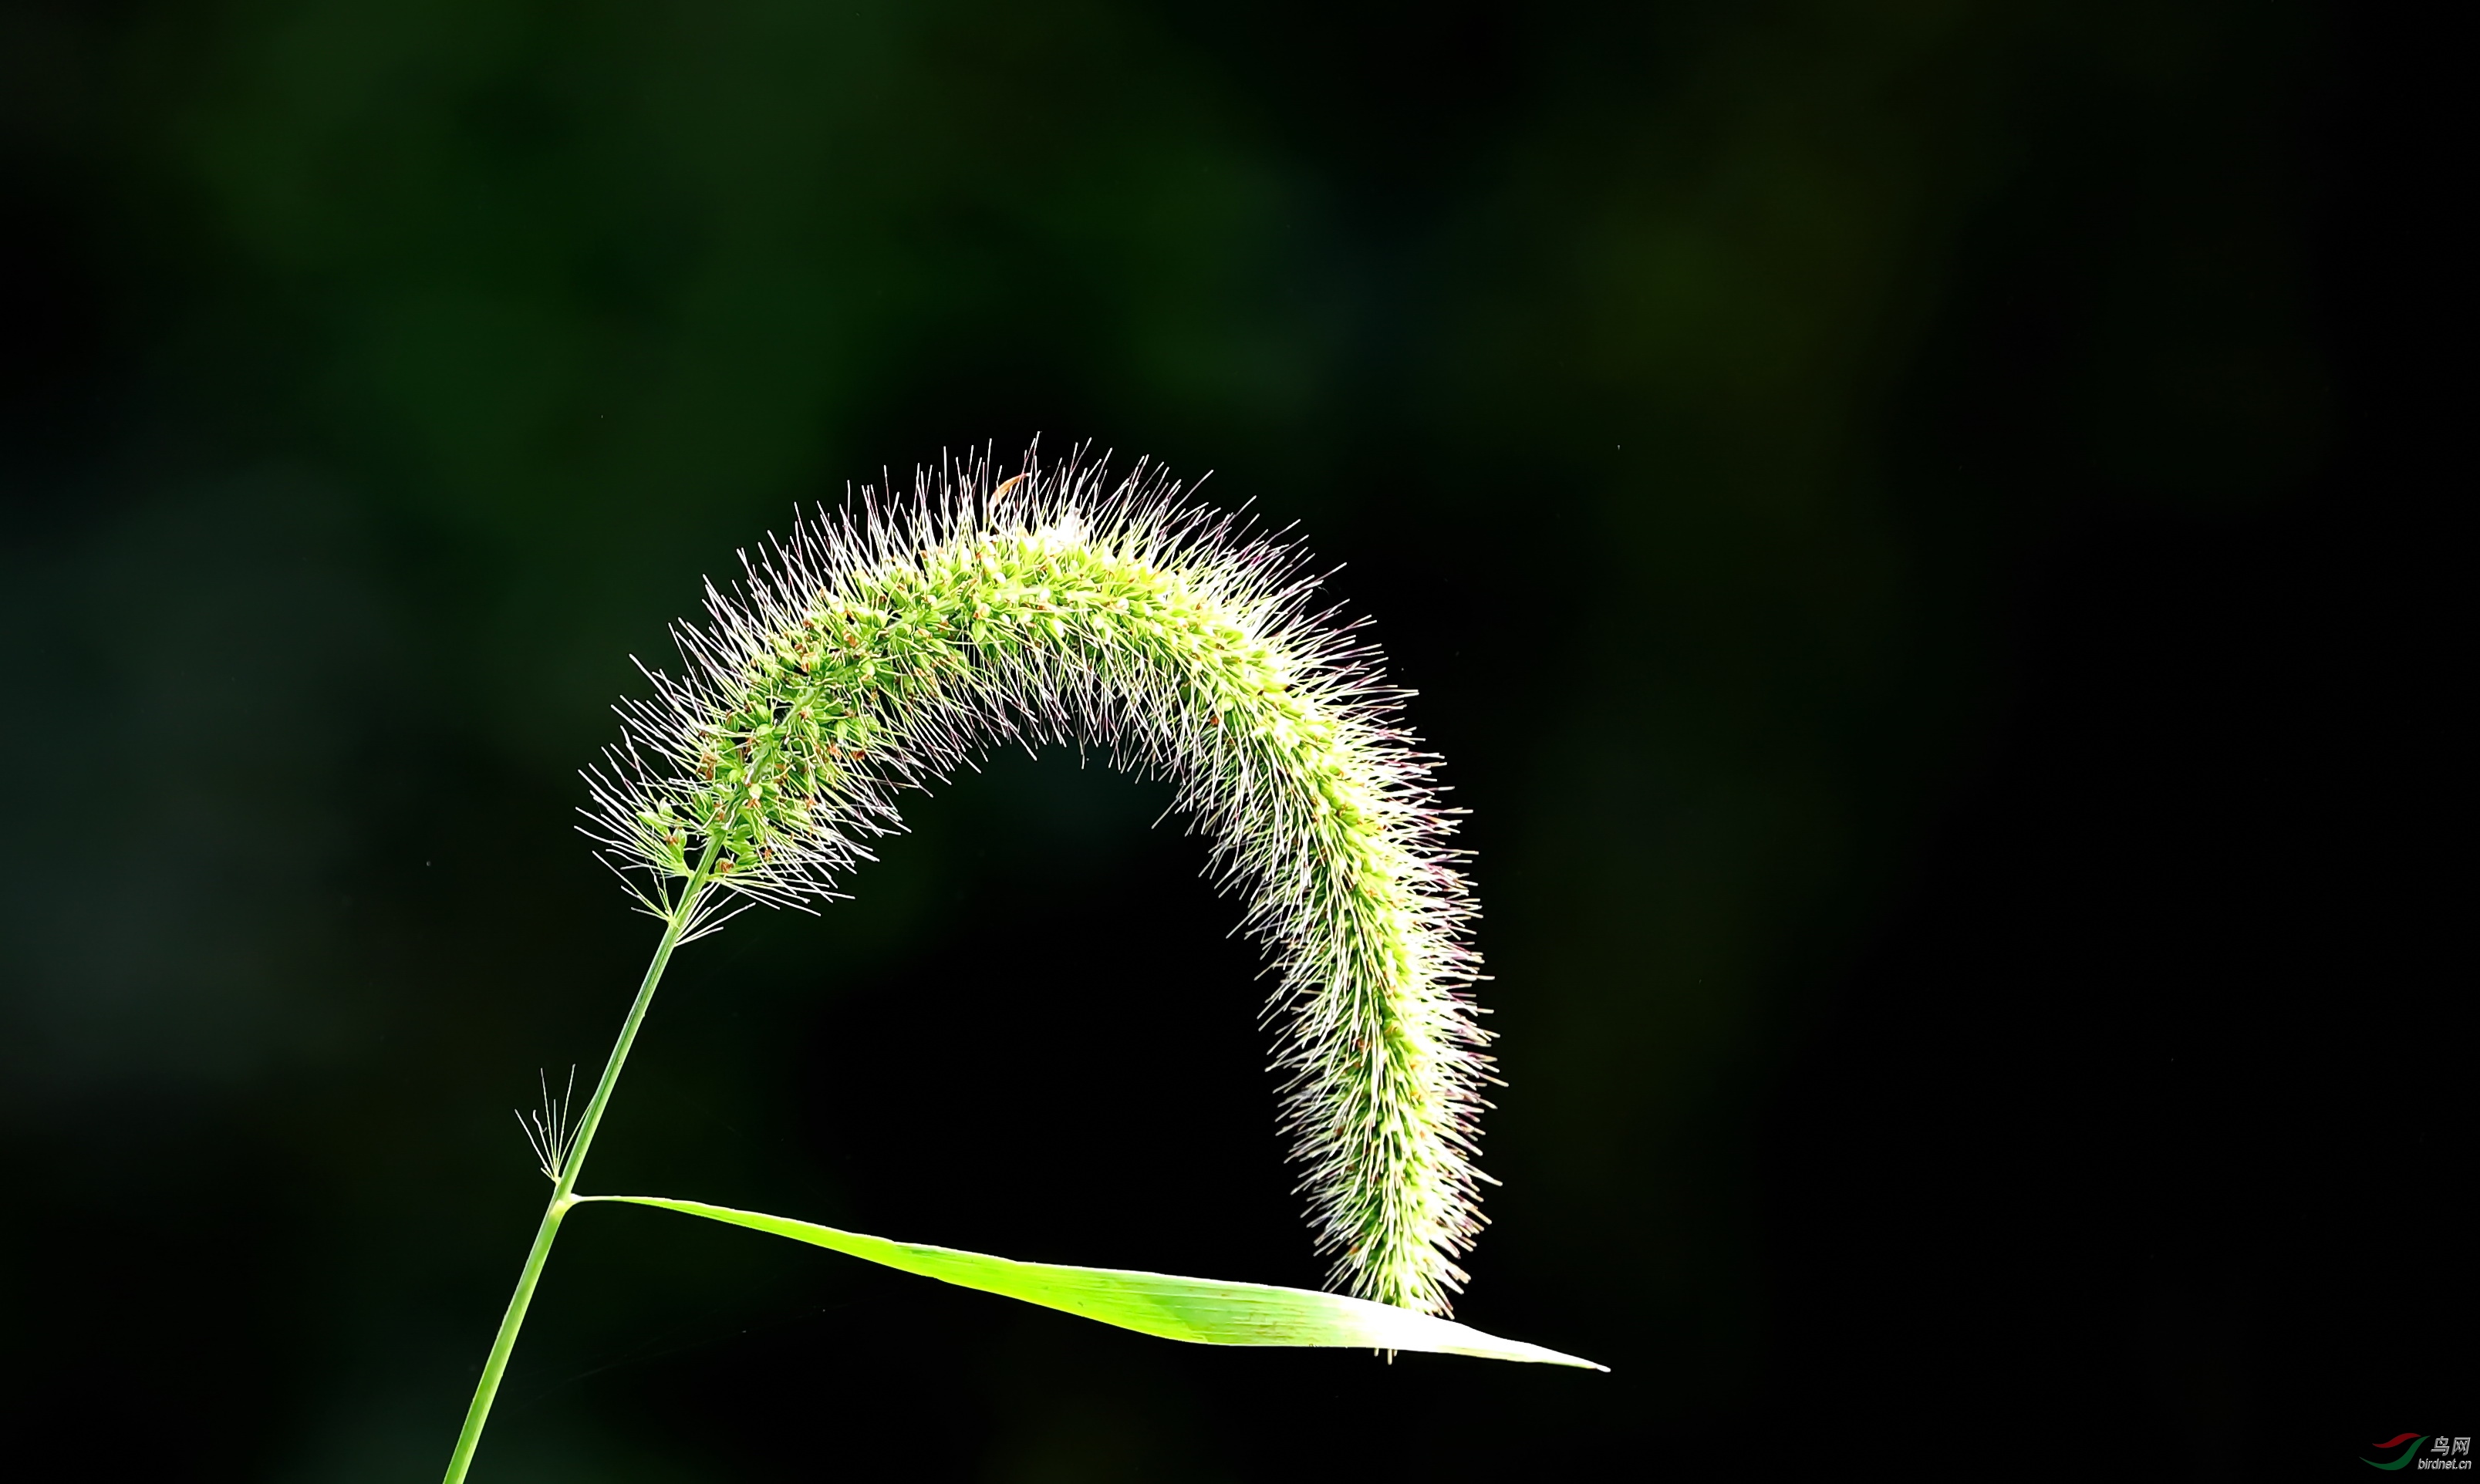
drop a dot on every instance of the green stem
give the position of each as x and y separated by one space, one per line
564 1191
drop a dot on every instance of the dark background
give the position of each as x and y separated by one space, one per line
1911 523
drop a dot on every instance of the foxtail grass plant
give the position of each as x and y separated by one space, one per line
879 649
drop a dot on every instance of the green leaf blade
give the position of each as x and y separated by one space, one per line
1198 1311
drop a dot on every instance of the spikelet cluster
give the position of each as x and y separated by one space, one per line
881 648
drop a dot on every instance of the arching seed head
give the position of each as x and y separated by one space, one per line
879 647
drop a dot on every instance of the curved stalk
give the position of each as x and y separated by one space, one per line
563 1196
883 648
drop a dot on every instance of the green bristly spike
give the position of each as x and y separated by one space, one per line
882 648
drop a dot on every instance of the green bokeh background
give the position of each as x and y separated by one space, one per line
1697 397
